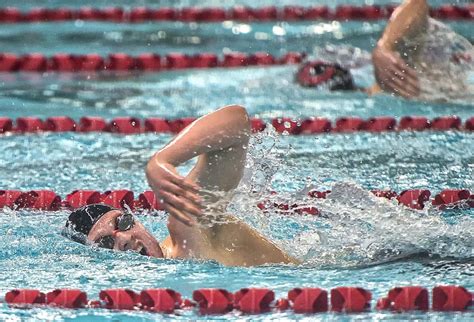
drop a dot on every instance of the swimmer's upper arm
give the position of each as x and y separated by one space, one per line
407 21
220 140
221 168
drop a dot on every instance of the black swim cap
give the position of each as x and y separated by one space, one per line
318 73
81 220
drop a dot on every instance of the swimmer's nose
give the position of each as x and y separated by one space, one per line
124 241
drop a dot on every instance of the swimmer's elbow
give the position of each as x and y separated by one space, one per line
239 116
417 8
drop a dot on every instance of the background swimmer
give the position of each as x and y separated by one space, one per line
198 224
416 57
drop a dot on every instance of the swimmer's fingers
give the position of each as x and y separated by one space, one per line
396 80
181 203
168 172
404 88
409 76
406 81
183 182
168 186
178 215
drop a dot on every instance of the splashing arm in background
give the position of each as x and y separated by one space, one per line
392 73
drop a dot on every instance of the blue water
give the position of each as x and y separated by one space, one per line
436 248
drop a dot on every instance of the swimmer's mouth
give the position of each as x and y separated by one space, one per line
143 251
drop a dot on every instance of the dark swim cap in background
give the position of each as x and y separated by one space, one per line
81 220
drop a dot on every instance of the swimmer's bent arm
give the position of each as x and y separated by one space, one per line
391 72
220 140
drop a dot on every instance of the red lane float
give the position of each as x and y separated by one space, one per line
213 301
308 126
451 298
453 198
445 123
92 124
59 124
25 297
204 60
119 299
469 125
350 299
124 125
414 198
64 63
148 200
9 62
160 300
157 125
8 198
90 63
257 125
178 125
34 62
308 300
349 124
254 300
6 125
29 125
67 298
35 199
250 300
49 200
379 124
413 123
213 14
118 199
406 298
145 62
79 198
41 200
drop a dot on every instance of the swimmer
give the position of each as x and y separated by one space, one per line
413 59
198 224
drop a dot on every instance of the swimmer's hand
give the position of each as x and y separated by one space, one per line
393 74
178 194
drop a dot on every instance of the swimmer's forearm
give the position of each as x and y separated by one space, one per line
408 19
222 129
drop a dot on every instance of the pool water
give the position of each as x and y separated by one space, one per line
369 243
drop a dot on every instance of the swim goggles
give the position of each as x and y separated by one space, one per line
123 222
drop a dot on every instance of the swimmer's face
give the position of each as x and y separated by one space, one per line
108 233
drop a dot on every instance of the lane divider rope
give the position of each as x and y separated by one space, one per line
198 14
146 62
51 201
307 126
251 300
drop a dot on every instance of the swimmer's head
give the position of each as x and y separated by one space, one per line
322 74
111 228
